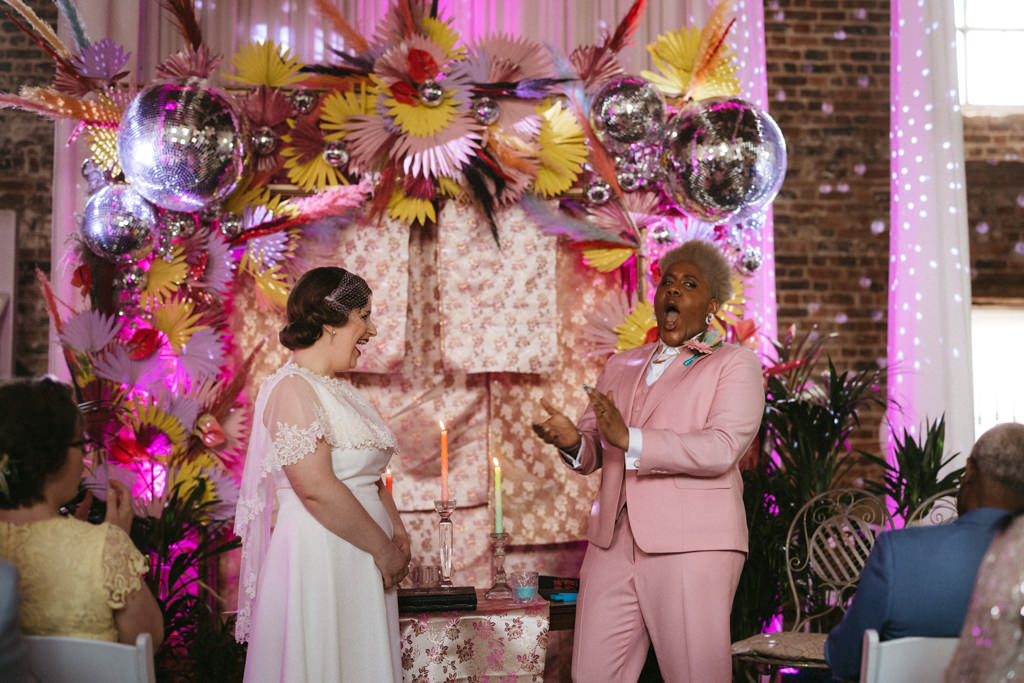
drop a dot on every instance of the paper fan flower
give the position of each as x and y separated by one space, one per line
607 259
219 492
89 331
251 194
103 61
675 55
219 269
595 66
636 211
442 33
598 333
266 64
563 149
175 319
189 62
201 357
119 366
304 159
402 207
179 405
152 425
163 277
270 282
636 329
270 250
103 149
267 111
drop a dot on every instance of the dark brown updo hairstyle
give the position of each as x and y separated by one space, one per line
322 296
38 421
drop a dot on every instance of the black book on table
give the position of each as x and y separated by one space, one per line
437 599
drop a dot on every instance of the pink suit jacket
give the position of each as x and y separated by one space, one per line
697 421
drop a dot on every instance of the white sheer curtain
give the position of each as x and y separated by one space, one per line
147 33
929 270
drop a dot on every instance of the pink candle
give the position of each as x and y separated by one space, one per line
444 462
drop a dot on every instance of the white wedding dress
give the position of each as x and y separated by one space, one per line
311 605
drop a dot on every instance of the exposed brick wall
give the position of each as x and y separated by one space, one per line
828 88
26 179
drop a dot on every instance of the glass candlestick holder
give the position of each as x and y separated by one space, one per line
446 535
500 590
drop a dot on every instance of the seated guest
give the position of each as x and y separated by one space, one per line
918 581
12 650
990 647
77 579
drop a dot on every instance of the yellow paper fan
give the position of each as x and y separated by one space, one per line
163 277
449 188
605 259
445 36
632 331
315 174
563 149
410 209
266 64
270 282
186 476
146 416
339 107
175 319
418 120
103 149
248 194
673 54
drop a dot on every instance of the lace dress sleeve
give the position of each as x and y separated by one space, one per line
295 420
123 567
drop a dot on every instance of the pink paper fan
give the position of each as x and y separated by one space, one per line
89 331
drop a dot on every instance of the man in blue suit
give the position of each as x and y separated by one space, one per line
918 581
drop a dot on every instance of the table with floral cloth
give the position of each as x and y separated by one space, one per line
499 641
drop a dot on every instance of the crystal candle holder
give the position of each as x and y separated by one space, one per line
500 590
446 534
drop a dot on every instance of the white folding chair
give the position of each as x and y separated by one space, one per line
921 660
57 659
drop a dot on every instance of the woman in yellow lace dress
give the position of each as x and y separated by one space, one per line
77 579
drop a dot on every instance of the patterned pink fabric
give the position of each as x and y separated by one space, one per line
499 641
499 304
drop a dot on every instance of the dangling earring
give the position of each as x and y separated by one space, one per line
708 319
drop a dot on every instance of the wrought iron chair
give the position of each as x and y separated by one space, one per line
922 660
937 509
827 545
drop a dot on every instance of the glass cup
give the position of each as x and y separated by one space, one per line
430 576
524 586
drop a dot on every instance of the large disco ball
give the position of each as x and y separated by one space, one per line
117 224
182 144
724 159
626 111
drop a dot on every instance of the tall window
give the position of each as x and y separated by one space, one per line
998 365
990 50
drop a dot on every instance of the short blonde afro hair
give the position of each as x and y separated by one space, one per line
711 262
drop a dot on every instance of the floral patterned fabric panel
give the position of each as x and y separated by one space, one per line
544 501
500 641
498 310
377 252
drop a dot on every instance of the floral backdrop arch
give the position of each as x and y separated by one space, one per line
506 201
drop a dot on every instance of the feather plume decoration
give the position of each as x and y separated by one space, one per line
70 13
44 30
554 222
184 16
712 43
626 28
332 201
53 104
600 160
341 26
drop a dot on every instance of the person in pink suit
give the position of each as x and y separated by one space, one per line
666 424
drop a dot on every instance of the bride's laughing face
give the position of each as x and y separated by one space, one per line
352 335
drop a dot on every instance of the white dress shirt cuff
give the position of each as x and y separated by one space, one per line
571 460
636 444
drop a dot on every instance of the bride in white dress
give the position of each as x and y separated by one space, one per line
323 546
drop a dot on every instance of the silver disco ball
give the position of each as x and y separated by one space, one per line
117 224
182 145
724 160
625 111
